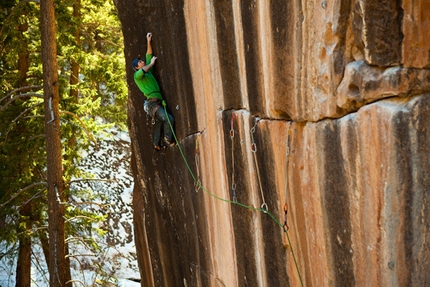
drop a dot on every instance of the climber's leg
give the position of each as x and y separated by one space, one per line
161 115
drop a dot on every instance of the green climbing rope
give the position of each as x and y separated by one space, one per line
197 182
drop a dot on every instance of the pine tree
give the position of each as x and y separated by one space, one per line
57 256
91 39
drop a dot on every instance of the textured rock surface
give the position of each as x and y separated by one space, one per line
416 27
363 84
333 98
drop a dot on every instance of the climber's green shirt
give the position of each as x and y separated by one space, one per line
147 82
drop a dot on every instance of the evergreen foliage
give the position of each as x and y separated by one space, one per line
100 104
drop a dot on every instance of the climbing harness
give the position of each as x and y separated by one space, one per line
285 230
152 119
233 183
254 151
151 106
146 108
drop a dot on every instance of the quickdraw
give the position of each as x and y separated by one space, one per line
254 150
197 184
233 183
237 203
285 217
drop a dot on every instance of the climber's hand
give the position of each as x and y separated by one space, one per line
149 36
163 103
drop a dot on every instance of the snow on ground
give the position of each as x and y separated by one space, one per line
127 283
116 261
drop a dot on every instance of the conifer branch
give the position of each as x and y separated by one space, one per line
26 110
13 10
90 203
83 254
18 97
80 239
82 123
91 179
21 191
35 196
19 116
39 266
80 217
35 137
22 89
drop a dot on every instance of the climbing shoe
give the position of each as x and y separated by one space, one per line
157 147
167 142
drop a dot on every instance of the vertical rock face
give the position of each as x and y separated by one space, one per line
323 106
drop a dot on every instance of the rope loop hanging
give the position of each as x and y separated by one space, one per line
233 183
286 177
232 126
252 131
235 202
264 207
197 184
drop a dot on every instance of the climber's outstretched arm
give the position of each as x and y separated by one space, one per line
149 52
142 64
149 39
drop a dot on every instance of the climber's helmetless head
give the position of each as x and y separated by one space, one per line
137 64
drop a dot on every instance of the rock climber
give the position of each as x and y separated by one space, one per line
154 104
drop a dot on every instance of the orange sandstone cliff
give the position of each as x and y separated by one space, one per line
320 105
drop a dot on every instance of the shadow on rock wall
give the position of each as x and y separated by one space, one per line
328 107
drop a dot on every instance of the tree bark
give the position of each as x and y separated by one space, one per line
24 59
23 269
57 259
44 241
74 76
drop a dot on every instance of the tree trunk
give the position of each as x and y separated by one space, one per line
23 278
45 245
74 77
24 59
57 259
23 269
